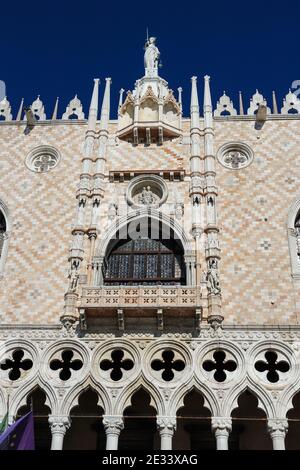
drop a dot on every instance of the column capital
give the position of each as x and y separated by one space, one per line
278 426
220 424
59 424
166 424
113 424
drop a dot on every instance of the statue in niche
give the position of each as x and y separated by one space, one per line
152 54
212 277
147 197
73 280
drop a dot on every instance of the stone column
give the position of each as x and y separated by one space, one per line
113 425
59 426
278 429
166 427
221 427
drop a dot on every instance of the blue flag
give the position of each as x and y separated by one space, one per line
20 435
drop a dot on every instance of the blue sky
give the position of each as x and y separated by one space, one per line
56 48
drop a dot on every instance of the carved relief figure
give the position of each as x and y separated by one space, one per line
212 277
147 197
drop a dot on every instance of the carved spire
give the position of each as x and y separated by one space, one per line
92 119
93 112
241 104
194 105
54 115
207 107
20 112
275 108
104 119
105 105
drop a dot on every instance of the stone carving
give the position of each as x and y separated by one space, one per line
225 107
221 424
59 424
212 277
235 159
147 197
42 159
38 110
291 104
277 426
74 109
113 424
166 425
257 100
151 56
5 109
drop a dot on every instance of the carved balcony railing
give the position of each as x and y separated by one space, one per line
141 296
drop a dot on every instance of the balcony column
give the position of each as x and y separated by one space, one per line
113 426
166 427
59 426
278 429
221 427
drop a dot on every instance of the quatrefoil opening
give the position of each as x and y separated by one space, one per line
272 365
66 364
116 364
219 365
167 365
16 364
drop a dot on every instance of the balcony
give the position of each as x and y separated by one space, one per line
129 302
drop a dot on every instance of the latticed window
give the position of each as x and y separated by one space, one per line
2 231
145 261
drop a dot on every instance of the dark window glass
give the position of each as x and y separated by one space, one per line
145 261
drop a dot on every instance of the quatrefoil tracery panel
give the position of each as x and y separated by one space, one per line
271 367
116 365
17 365
66 365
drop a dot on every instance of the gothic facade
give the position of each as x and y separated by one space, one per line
150 270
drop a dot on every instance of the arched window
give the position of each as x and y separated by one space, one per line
145 261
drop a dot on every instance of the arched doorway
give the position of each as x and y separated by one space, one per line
140 432
193 425
249 425
86 431
292 440
42 433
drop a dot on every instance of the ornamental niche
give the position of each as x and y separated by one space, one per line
147 191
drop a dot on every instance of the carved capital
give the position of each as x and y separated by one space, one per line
278 426
221 425
166 425
59 424
113 424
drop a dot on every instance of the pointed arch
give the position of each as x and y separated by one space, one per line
210 400
265 402
19 399
124 400
72 397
